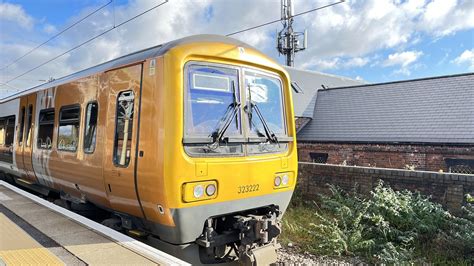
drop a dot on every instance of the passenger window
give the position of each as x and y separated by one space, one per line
45 129
2 131
9 131
22 126
123 128
90 129
29 124
68 134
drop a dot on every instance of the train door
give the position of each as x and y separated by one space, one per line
29 137
121 130
20 129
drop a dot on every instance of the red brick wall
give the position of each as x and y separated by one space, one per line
446 189
422 157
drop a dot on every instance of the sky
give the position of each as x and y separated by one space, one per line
371 40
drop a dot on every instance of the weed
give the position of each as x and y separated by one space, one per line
386 227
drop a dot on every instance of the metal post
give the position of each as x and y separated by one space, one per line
287 40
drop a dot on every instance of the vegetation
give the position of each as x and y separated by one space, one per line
386 227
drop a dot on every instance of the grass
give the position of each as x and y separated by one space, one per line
386 227
295 222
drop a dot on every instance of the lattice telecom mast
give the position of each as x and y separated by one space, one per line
288 41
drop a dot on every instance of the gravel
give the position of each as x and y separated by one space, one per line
293 256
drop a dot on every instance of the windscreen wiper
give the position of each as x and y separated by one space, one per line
249 109
231 112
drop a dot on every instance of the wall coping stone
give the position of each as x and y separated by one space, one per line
403 172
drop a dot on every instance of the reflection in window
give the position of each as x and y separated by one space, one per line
29 124
68 134
22 126
45 129
9 131
266 93
2 131
124 126
90 127
210 93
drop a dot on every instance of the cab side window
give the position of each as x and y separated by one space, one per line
90 128
68 133
123 128
45 129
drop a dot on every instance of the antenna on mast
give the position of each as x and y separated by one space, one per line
288 41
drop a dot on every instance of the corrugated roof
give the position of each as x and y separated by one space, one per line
430 110
310 82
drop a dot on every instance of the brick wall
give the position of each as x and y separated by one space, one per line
422 157
447 189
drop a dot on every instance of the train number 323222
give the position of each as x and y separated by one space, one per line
248 188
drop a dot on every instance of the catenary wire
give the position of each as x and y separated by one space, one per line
56 35
87 41
278 20
148 10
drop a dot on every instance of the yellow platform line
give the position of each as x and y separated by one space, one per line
19 248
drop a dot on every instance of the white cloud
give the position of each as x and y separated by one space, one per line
180 18
344 36
444 17
404 60
357 28
336 63
49 29
321 64
357 62
467 57
15 13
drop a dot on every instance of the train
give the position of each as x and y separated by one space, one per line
189 144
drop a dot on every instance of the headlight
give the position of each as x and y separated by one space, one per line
201 190
283 180
210 189
277 181
198 191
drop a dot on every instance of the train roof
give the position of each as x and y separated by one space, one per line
129 59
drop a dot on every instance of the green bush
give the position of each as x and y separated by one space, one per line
386 227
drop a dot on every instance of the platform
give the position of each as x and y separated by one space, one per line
34 231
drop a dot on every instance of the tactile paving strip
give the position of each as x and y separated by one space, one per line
18 248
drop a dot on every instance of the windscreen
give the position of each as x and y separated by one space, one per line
211 96
224 117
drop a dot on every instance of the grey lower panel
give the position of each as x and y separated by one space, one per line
190 221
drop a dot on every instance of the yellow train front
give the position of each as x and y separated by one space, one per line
229 150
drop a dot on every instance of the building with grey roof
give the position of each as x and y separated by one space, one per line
425 124
309 82
305 87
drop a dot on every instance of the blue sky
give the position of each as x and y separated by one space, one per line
437 59
373 40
